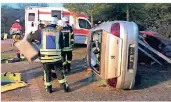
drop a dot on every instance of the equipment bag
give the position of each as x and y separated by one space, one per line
10 77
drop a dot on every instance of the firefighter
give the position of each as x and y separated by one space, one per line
95 52
68 40
50 55
15 32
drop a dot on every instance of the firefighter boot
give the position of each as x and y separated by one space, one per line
49 89
66 87
18 56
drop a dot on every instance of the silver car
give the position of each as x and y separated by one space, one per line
118 50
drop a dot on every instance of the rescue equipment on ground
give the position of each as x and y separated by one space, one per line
13 60
11 81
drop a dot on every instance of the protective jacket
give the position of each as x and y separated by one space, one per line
50 45
16 26
68 38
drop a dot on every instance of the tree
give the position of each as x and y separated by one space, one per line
9 14
91 9
158 16
5 20
123 11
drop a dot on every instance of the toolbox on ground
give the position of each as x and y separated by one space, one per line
10 77
11 81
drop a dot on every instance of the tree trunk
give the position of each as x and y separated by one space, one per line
127 12
92 20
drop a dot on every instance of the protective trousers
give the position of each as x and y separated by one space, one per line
48 74
67 58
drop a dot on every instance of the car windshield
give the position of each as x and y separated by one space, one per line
84 24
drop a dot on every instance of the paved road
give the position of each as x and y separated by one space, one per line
155 84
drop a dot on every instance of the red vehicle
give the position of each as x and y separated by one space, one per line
158 42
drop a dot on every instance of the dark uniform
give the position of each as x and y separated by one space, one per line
68 41
50 55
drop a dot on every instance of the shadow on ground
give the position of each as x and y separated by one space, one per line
149 76
81 83
80 46
78 66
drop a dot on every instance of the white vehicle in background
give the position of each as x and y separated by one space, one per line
79 22
118 53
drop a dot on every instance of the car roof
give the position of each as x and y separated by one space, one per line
105 26
148 33
162 38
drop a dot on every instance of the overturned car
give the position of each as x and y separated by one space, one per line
154 47
115 48
112 53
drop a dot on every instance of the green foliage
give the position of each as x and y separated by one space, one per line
158 16
108 11
154 17
92 9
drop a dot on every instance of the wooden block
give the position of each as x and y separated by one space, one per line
30 51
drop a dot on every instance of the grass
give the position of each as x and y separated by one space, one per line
6 56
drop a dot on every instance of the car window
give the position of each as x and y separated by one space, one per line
56 13
97 36
84 24
31 17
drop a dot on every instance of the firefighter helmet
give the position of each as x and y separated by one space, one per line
61 23
65 19
53 20
17 20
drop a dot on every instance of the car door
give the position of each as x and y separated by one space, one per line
110 55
